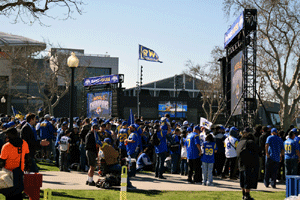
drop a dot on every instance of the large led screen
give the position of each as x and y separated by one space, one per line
99 105
236 83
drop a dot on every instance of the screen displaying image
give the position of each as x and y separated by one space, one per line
174 109
99 105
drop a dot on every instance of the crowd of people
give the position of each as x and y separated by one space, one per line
198 152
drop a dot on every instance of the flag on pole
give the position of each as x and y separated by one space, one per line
131 119
14 111
148 54
205 123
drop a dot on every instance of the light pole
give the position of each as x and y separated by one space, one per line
72 62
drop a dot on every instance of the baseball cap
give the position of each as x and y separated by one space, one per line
65 123
222 127
197 128
227 130
11 123
269 126
234 128
274 130
107 140
185 123
75 126
5 125
124 123
189 129
47 116
94 124
295 130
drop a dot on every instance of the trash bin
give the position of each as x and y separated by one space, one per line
32 185
292 185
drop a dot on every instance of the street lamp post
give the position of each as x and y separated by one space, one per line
72 62
3 100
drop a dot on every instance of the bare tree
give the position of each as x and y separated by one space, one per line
52 83
209 84
33 10
278 54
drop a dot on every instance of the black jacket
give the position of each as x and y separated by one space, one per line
262 143
90 142
28 135
247 153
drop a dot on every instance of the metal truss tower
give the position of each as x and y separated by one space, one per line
249 68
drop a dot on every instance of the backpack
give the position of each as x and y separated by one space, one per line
154 139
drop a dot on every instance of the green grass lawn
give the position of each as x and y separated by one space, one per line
145 194
161 195
47 166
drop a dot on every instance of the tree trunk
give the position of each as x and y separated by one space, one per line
286 119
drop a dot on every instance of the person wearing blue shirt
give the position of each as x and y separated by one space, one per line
274 153
143 162
291 154
131 142
47 132
193 148
139 132
175 153
161 149
122 136
208 159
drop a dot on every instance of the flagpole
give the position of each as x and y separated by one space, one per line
138 86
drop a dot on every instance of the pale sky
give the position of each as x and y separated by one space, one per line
177 31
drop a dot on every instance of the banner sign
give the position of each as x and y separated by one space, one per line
101 80
236 82
99 105
169 107
235 28
148 54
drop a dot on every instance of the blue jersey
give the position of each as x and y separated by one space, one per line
290 147
191 145
46 130
275 147
176 140
139 134
209 152
123 135
130 148
162 147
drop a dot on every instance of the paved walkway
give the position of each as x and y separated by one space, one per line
76 181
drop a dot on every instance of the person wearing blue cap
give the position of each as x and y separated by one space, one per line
193 148
297 140
122 136
47 131
131 141
274 153
230 145
161 149
139 134
291 153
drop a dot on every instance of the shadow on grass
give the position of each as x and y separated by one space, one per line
146 192
139 191
63 194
